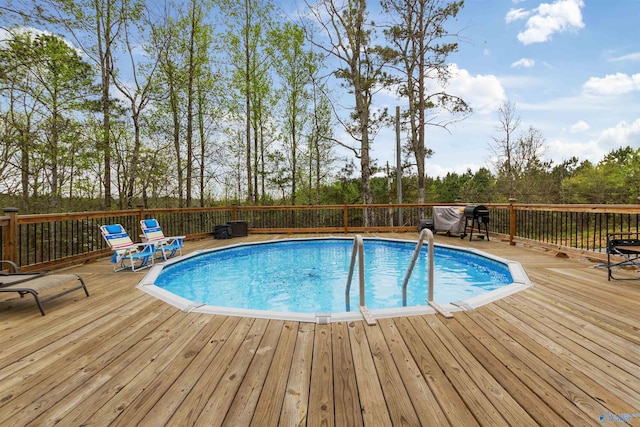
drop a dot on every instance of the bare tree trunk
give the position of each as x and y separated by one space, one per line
106 68
190 94
248 101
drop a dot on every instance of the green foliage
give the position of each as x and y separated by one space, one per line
231 96
50 86
615 179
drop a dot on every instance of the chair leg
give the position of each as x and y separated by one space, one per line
35 296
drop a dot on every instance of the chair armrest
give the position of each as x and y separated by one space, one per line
136 246
13 265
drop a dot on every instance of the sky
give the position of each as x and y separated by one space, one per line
571 67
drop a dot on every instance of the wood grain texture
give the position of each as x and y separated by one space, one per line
560 353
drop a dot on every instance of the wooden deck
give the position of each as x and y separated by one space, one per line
565 352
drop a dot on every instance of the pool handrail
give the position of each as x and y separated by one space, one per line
429 235
358 249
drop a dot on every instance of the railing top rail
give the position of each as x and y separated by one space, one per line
592 208
39 218
617 208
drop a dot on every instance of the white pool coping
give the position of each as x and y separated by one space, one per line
520 282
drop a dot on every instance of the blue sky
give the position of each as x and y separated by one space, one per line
572 68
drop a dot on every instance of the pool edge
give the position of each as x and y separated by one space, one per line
520 282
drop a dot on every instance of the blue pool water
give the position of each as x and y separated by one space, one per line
309 276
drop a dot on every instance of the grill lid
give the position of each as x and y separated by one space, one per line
473 211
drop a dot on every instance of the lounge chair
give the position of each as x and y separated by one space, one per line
35 283
152 232
625 245
126 254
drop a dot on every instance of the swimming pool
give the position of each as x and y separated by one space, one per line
299 278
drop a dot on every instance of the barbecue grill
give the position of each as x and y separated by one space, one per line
478 215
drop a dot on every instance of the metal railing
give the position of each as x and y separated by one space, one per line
425 233
54 240
357 251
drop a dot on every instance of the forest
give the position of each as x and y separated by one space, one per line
112 104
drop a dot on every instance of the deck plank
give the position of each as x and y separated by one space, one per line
454 408
502 401
175 393
246 398
170 384
563 360
585 353
561 353
626 354
372 401
490 354
269 405
402 411
321 404
424 401
346 400
45 387
123 388
472 395
552 369
205 385
296 400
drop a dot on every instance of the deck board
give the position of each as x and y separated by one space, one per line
269 405
561 353
346 401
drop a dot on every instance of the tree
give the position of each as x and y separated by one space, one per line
503 146
615 179
57 82
167 91
319 142
419 35
244 40
349 35
137 91
96 27
528 166
184 78
295 66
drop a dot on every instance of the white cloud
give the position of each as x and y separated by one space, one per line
548 19
579 127
483 92
562 149
621 135
594 150
524 62
630 57
6 35
435 170
515 14
612 84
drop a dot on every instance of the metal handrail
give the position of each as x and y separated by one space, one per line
429 235
358 249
